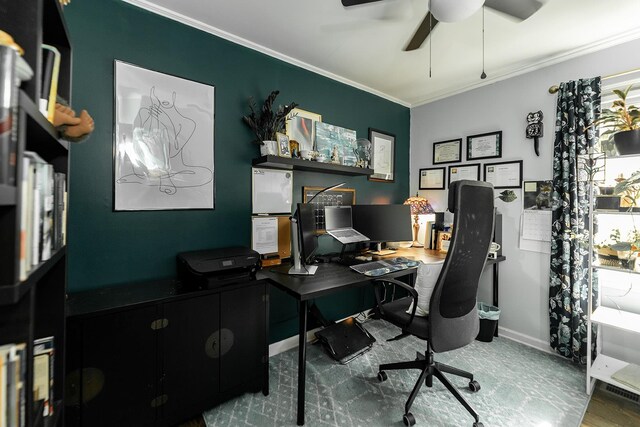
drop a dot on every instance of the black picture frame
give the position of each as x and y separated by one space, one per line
497 149
464 166
383 158
448 142
427 187
518 163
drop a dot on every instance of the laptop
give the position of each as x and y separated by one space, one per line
338 224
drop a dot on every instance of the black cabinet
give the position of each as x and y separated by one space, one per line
158 356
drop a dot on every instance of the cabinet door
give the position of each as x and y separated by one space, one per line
190 350
243 342
119 368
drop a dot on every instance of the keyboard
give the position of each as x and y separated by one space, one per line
379 268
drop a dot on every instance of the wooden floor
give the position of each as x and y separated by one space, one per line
608 410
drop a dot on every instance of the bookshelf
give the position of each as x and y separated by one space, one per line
32 303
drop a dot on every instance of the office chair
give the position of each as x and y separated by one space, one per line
452 321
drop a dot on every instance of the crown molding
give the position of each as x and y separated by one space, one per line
167 13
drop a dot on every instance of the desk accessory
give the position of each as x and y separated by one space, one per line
346 340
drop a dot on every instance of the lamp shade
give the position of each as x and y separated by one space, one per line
419 205
454 10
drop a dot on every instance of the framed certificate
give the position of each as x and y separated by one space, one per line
447 151
471 171
504 174
432 179
484 146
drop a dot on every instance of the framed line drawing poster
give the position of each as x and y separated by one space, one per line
163 141
382 156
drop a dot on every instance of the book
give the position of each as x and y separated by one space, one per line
8 116
46 242
24 267
50 72
60 185
44 349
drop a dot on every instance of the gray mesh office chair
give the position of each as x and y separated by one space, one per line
452 321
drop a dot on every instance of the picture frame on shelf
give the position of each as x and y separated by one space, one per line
284 149
336 143
301 127
449 151
173 119
504 174
464 171
383 153
432 179
484 146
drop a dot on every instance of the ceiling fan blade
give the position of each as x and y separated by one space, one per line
521 9
347 3
421 33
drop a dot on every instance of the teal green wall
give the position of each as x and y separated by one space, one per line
115 248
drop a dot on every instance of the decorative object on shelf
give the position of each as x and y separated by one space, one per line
162 120
265 122
468 171
383 153
419 206
535 129
300 126
629 191
622 122
269 148
284 149
447 151
618 252
72 128
362 152
294 147
336 142
484 146
432 179
504 174
335 156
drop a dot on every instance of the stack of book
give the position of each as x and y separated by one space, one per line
43 212
13 377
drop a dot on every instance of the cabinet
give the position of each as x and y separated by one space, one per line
33 307
614 270
162 356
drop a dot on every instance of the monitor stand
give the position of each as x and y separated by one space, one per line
297 269
381 252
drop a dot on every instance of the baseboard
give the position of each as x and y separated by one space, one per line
292 342
526 340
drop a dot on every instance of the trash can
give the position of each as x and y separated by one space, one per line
489 315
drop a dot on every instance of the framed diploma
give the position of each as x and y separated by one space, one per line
471 171
432 179
484 146
447 151
504 174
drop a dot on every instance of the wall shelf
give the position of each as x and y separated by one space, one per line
277 162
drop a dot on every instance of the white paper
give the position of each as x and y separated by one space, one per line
272 191
264 235
432 179
503 175
484 146
463 172
536 225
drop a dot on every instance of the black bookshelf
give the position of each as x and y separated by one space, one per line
308 165
35 307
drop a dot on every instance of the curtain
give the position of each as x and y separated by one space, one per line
578 104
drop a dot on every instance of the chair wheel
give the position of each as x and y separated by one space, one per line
382 376
475 386
409 420
478 424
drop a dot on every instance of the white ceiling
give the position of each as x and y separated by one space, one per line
362 45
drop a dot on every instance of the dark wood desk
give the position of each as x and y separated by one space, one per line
333 277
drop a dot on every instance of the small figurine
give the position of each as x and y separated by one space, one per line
72 128
335 157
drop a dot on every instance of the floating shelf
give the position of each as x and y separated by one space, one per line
620 319
605 366
621 270
43 137
308 165
626 213
7 195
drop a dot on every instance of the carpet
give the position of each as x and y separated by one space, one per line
521 386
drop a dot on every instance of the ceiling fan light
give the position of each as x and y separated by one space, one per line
454 10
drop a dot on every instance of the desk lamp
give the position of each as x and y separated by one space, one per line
419 206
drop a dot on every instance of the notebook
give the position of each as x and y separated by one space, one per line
338 225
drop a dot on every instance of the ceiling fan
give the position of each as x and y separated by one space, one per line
457 10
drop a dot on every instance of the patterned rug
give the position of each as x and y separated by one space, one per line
521 386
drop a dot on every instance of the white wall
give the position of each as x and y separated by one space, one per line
504 106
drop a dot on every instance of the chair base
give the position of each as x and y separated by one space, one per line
429 369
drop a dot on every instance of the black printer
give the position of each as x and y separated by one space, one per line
209 269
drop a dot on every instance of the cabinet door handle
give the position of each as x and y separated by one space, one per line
159 324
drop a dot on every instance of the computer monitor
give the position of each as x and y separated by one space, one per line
304 240
383 223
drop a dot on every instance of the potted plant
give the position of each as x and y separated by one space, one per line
629 190
622 121
266 121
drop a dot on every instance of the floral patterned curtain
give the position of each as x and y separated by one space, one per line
578 104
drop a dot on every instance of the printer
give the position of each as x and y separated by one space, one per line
209 269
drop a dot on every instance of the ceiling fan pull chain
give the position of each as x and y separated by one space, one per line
483 75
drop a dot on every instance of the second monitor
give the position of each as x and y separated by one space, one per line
383 223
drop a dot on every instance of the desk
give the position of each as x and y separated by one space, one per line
333 277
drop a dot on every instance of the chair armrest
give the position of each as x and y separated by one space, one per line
380 283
